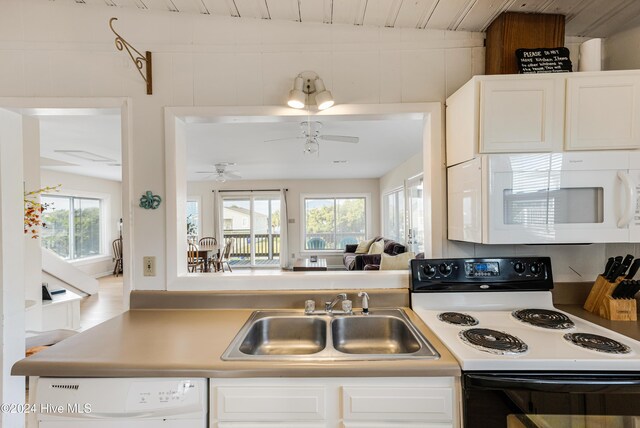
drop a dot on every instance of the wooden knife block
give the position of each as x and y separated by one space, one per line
602 304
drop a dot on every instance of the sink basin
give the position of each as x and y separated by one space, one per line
294 336
373 335
285 336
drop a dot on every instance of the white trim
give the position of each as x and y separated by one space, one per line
432 115
90 260
303 217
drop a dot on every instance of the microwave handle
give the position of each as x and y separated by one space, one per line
630 191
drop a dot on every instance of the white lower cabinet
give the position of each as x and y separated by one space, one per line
428 402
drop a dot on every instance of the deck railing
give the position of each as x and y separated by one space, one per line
265 245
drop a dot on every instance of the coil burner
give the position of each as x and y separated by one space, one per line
493 341
597 343
456 318
544 318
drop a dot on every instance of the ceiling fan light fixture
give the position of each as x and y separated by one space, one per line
311 147
297 97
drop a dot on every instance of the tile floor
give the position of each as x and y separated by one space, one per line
104 305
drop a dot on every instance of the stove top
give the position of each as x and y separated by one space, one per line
512 324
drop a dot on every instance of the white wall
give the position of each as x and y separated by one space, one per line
111 191
296 188
396 177
54 49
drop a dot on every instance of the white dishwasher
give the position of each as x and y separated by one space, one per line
120 403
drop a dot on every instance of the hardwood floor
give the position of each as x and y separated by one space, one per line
104 305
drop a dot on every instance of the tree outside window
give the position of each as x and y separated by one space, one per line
332 223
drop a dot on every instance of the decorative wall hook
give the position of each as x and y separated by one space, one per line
149 201
141 61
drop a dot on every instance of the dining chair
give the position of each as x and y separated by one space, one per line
117 256
224 257
193 259
210 241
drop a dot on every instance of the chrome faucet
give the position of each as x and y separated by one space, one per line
328 306
365 302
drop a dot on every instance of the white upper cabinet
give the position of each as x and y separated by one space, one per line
521 115
603 112
543 113
505 114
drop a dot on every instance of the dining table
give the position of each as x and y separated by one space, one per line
207 251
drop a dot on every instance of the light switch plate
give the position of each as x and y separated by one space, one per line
149 267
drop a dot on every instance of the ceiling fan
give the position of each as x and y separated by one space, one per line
311 135
221 173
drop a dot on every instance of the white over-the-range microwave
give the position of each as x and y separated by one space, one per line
545 198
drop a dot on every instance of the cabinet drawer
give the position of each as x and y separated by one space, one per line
270 403
397 404
397 425
271 425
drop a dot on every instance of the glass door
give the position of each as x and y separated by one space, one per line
253 222
266 231
415 214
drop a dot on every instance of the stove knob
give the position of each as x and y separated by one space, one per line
429 270
444 269
519 267
534 268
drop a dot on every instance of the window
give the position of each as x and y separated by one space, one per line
394 215
332 223
193 219
73 226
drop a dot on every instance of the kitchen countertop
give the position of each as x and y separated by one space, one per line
189 342
627 328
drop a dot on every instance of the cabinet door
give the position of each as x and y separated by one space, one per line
603 112
259 403
521 115
397 404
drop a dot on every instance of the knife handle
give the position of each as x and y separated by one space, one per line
633 269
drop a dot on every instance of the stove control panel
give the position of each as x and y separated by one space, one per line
481 274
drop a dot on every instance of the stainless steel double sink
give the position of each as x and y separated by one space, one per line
293 336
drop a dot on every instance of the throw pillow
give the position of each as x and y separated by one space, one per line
399 262
377 247
363 247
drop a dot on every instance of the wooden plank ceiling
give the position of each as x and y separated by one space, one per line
589 18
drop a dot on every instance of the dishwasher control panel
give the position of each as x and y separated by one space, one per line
121 397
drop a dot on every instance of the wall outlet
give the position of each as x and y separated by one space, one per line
293 255
149 265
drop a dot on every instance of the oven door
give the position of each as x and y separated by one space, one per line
557 400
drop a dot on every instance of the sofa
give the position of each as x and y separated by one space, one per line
353 261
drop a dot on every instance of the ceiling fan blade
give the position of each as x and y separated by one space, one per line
340 138
232 176
205 172
284 139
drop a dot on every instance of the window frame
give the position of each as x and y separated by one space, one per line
198 201
303 217
400 190
105 227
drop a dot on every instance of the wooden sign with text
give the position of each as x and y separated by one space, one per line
551 60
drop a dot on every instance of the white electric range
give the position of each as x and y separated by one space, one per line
520 355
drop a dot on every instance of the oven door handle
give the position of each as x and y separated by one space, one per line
551 383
